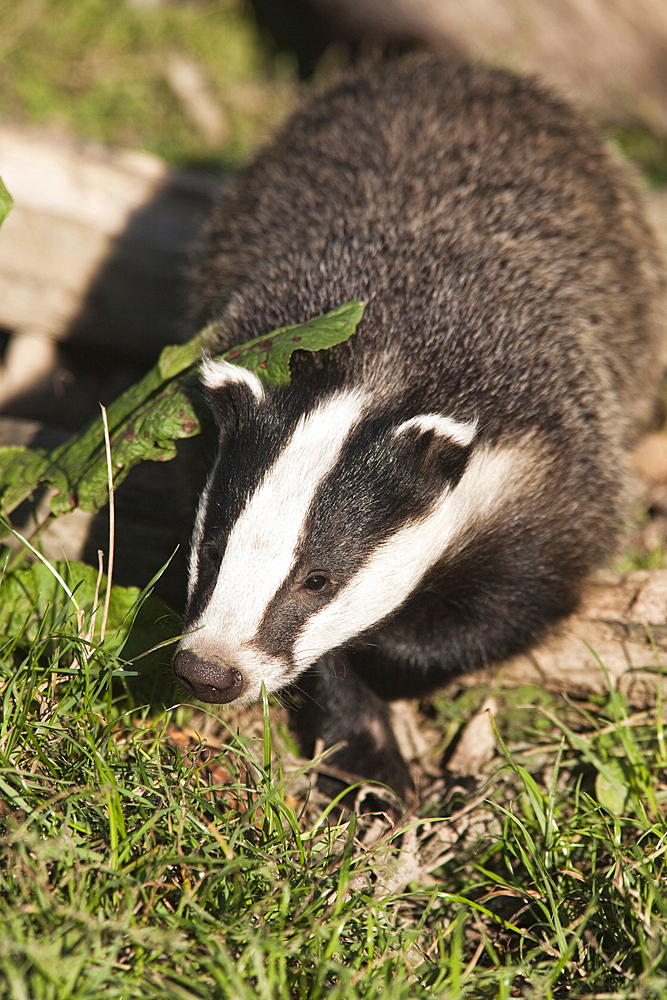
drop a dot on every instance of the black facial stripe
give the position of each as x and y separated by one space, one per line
282 621
380 483
374 489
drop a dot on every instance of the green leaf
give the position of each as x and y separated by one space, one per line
33 598
611 787
20 466
146 421
5 202
269 356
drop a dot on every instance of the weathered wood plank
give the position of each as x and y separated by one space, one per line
609 56
94 254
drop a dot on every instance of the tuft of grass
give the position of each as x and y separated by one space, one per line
132 868
135 863
653 558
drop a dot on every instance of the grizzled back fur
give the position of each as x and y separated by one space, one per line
449 197
511 345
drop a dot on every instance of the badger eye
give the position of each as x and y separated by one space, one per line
316 582
211 552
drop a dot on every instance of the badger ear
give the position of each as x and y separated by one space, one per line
229 389
458 431
438 444
216 373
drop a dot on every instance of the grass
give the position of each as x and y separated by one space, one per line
100 69
647 150
155 853
131 869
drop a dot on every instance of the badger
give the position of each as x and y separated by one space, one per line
428 497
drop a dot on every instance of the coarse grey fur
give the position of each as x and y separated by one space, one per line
510 278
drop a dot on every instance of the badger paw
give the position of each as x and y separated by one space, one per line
334 708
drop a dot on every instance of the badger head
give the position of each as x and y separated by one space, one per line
321 515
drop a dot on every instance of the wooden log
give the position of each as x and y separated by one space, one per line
617 639
93 255
609 55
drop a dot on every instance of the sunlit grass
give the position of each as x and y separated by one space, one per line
99 69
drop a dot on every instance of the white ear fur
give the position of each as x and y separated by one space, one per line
216 373
460 432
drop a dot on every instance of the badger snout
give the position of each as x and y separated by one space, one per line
208 680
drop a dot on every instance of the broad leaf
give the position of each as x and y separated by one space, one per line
147 420
269 356
611 787
33 601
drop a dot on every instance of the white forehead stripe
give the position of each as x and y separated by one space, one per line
216 373
395 568
461 432
261 547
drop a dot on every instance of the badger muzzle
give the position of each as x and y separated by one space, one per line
207 679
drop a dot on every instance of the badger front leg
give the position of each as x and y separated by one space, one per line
336 706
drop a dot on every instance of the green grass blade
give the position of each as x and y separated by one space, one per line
5 202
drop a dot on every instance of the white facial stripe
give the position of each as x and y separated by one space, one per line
261 547
461 432
198 531
215 374
396 567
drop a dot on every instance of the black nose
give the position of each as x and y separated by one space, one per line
206 679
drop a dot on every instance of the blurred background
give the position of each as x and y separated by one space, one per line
119 119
